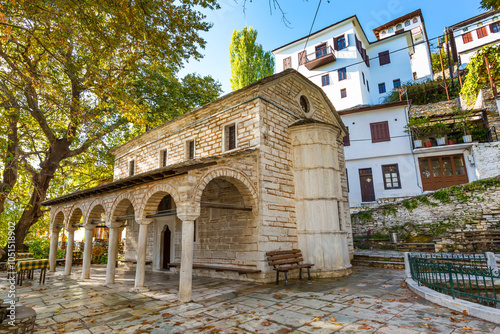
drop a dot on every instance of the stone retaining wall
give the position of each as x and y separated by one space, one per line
474 206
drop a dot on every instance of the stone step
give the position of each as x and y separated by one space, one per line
379 264
379 258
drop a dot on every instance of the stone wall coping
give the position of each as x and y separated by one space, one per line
460 305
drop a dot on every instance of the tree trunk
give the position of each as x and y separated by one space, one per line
11 160
41 182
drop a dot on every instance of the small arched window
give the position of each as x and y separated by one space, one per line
304 104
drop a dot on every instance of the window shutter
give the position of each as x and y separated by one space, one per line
302 58
232 137
491 28
336 43
380 132
287 63
347 139
346 36
384 58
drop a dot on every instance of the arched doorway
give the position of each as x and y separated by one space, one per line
167 237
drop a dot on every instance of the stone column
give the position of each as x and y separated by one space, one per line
140 269
69 250
186 272
87 251
318 197
112 252
54 239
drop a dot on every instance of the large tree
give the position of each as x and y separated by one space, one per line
68 80
249 62
490 4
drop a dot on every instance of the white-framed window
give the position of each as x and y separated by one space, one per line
190 149
230 136
163 158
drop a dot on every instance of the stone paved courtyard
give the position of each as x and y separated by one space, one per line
369 301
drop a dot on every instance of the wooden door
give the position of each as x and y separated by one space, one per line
166 248
442 171
366 181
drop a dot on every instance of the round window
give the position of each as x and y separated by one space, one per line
304 104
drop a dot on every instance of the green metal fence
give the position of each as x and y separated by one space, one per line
458 275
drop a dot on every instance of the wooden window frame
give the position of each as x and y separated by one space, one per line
302 58
495 27
342 76
343 93
397 173
131 167
467 37
325 80
382 85
394 83
347 138
163 158
376 136
188 149
321 50
341 46
227 140
289 60
481 32
384 58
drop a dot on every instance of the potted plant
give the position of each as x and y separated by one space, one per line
440 130
464 123
419 128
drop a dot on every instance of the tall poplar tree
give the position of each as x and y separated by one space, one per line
249 62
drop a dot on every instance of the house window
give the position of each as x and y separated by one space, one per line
131 167
399 26
325 80
343 93
380 132
381 88
302 58
287 63
163 157
390 174
347 139
495 27
467 38
342 74
230 137
415 20
368 85
190 149
407 23
364 81
481 32
414 75
341 44
384 58
396 83
321 50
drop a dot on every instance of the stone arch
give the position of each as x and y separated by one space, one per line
153 197
76 214
96 209
237 178
58 219
121 204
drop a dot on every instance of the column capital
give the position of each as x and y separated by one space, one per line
57 228
111 224
89 226
188 216
71 229
144 221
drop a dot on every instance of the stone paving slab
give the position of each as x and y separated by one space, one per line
369 301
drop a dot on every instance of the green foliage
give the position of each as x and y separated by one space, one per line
365 215
410 205
490 4
419 127
430 91
436 61
389 210
442 196
387 247
463 120
440 129
249 62
442 227
379 236
40 248
477 73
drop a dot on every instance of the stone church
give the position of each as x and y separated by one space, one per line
210 192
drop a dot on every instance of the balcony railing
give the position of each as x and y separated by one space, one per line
319 58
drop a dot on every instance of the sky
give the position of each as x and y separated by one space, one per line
273 33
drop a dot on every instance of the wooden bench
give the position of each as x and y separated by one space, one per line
219 268
363 236
283 261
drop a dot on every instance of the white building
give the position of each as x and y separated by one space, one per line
470 35
357 75
354 71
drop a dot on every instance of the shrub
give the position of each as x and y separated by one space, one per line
40 248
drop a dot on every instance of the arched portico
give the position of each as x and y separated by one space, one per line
73 223
55 228
96 214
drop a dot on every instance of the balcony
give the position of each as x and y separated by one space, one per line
319 58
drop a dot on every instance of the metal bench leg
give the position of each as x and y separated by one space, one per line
309 273
300 274
277 277
286 277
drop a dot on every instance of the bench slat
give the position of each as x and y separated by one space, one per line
289 261
293 251
280 257
307 265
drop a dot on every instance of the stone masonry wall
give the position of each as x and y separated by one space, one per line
471 206
487 159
